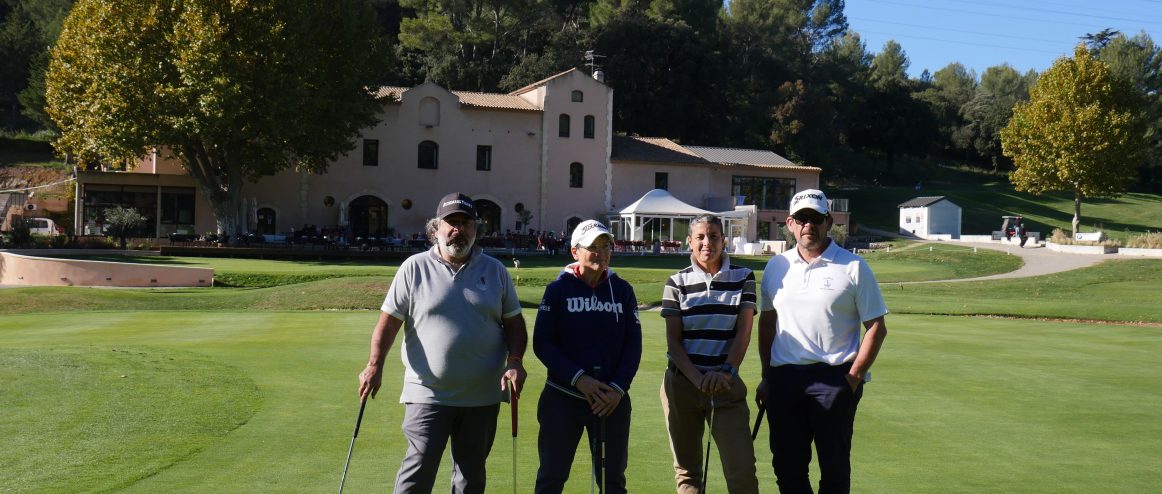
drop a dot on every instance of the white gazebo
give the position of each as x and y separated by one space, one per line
658 215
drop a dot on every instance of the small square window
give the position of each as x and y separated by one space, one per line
662 180
578 96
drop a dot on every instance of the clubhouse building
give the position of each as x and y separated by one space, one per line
543 157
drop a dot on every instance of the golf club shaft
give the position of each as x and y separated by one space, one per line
709 436
757 422
512 402
603 469
351 448
593 475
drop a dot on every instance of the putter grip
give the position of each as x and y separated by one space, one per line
359 419
513 398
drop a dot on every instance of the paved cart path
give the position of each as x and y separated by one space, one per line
1038 261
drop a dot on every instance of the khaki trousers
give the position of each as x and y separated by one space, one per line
687 410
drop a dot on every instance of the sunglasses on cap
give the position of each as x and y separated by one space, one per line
814 219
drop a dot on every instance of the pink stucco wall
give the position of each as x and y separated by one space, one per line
17 269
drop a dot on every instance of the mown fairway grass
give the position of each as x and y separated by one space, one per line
297 285
258 399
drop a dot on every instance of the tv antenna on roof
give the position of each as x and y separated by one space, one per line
594 67
591 60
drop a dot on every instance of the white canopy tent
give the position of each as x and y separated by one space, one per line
659 216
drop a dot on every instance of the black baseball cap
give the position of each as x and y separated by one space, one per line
455 203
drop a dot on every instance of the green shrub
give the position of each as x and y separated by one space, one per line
96 243
41 241
838 234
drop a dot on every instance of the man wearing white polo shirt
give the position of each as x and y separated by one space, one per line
814 298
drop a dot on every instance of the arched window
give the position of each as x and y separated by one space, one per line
590 124
576 174
578 96
571 224
563 124
266 221
489 213
368 216
429 155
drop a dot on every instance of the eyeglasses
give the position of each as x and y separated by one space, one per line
814 219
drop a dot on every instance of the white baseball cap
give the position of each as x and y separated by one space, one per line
587 232
810 198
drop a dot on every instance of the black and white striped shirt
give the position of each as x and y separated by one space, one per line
709 309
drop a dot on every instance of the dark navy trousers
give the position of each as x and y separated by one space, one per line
563 418
805 404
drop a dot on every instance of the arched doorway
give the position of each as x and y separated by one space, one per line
368 217
489 213
266 222
570 225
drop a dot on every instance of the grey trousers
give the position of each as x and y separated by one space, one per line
428 429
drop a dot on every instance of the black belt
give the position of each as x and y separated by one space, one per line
814 367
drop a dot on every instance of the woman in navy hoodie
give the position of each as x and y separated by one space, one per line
589 337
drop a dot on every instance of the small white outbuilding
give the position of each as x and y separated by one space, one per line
931 218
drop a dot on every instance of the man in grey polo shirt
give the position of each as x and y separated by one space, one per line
464 338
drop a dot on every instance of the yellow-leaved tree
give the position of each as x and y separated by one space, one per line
1081 131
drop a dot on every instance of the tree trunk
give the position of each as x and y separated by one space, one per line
222 190
1076 211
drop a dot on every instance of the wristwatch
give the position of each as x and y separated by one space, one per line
729 369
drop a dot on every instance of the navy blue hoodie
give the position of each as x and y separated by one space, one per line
584 330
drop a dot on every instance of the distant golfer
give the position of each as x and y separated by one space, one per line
588 335
464 337
818 294
709 310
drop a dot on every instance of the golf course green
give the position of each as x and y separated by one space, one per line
1002 386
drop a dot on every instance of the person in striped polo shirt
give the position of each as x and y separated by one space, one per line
708 308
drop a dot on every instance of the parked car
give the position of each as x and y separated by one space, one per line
44 226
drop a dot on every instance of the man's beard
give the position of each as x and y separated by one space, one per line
456 248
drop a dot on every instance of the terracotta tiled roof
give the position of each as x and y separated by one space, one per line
920 202
495 100
471 99
539 83
390 91
652 149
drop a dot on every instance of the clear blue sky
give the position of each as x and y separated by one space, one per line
1027 34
